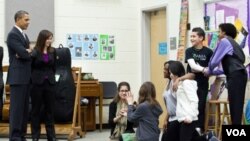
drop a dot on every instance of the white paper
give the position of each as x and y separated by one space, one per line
230 19
212 23
219 17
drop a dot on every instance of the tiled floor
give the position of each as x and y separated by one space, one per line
96 136
90 136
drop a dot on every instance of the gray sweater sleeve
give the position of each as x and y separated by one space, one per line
135 114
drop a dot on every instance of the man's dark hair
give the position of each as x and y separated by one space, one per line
200 32
19 14
229 29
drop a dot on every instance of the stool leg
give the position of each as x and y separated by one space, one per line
228 115
222 119
207 116
217 118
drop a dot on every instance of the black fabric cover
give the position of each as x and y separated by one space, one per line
65 87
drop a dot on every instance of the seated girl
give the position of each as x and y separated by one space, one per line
146 114
118 113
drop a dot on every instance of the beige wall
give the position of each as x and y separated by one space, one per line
113 17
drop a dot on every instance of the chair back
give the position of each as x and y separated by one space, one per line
109 89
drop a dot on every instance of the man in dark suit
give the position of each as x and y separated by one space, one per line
19 75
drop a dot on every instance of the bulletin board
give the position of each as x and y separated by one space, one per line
91 46
233 11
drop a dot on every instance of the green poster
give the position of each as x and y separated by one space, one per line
107 47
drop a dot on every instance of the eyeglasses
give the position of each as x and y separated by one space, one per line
123 91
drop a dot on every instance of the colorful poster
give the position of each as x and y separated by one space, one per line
74 42
89 47
212 39
107 47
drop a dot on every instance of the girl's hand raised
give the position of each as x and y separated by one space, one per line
130 98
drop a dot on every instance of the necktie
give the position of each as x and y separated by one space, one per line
24 35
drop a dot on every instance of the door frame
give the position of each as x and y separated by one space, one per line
145 39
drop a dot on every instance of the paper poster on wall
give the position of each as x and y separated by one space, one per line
91 46
230 19
107 47
75 45
162 48
211 39
219 17
172 43
212 23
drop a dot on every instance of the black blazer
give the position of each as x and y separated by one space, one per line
40 69
112 115
19 59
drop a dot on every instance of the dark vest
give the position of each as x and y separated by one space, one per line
231 63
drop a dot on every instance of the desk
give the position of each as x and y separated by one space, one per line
93 89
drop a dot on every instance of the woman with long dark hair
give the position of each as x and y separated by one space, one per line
118 113
43 85
146 114
187 102
171 125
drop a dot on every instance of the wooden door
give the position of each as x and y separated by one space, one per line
158 35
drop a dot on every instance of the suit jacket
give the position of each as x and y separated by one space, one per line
41 70
19 59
